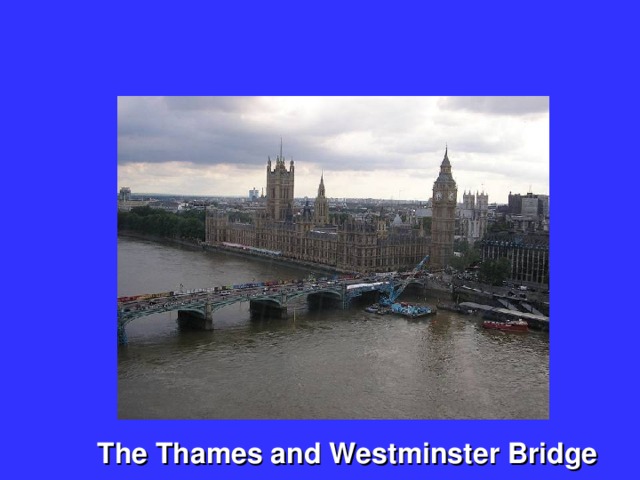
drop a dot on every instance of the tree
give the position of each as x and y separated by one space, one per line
495 271
469 258
500 225
189 225
457 263
461 245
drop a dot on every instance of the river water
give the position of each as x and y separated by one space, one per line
345 364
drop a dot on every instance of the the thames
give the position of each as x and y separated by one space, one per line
342 364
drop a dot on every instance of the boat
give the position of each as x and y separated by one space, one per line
507 326
411 311
372 309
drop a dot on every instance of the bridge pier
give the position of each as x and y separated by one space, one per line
194 320
122 335
208 316
322 300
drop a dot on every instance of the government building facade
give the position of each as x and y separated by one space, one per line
357 245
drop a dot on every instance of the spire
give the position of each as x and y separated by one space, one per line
445 161
445 169
281 157
321 210
321 186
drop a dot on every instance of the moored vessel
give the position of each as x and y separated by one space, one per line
507 326
411 311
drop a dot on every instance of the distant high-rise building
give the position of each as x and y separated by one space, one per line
515 203
530 204
125 194
125 203
253 194
544 204
528 213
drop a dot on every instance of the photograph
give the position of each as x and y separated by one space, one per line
333 257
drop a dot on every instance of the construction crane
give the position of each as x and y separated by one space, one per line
394 294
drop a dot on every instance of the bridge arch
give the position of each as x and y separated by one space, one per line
325 297
262 306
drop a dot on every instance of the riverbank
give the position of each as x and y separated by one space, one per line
159 239
483 312
275 259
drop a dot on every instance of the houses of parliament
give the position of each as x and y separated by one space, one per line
357 245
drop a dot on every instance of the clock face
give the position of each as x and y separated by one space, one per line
451 195
438 195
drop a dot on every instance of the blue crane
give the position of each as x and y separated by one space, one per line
394 294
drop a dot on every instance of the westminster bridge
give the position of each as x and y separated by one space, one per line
196 307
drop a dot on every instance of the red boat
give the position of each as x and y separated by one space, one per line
508 326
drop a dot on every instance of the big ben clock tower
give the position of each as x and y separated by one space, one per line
443 221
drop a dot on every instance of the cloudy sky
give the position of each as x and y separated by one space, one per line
379 147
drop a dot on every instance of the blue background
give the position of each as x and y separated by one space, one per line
64 66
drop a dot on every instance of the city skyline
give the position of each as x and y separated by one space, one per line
367 147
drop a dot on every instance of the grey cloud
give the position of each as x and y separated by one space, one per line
221 130
497 105
148 131
211 104
479 145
